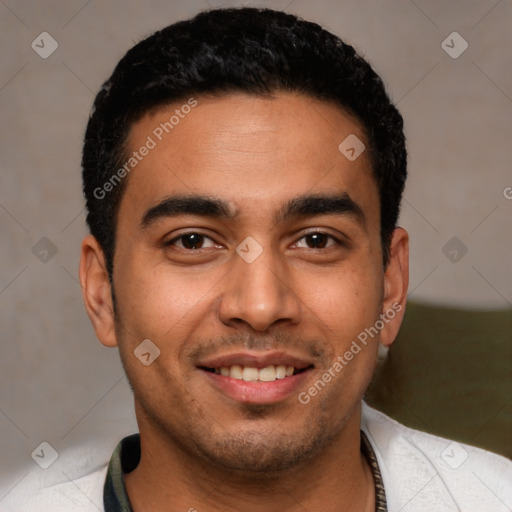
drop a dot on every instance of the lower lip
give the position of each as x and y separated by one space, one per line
258 392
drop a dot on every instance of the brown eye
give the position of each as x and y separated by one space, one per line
192 241
317 241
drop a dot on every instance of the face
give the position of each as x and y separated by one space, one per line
248 251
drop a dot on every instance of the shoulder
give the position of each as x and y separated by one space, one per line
60 488
421 471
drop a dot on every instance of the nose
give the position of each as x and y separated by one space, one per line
259 294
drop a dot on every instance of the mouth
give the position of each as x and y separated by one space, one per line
255 378
269 373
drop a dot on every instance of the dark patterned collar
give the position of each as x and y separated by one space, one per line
126 457
380 493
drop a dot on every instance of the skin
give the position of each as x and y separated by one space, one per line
201 448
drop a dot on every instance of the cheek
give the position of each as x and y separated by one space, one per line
346 308
160 303
165 307
346 300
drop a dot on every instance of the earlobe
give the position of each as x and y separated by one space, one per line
396 282
96 291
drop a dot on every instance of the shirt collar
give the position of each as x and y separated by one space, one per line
380 492
126 458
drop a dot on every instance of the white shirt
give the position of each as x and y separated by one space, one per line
421 473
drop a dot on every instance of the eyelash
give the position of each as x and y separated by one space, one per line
329 236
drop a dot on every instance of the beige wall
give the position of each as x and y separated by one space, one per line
57 383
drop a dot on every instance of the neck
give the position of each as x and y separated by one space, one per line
337 479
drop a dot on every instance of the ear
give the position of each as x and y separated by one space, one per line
396 282
96 291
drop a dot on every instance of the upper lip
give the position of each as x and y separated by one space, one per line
256 360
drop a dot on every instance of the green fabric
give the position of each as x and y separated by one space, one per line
449 373
125 458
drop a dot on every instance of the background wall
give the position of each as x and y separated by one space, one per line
57 383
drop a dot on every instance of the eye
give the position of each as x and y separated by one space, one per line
317 240
192 241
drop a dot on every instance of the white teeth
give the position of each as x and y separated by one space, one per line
280 371
251 374
268 374
236 372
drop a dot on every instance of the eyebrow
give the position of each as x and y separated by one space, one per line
302 206
187 205
314 205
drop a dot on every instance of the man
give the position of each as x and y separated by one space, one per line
243 173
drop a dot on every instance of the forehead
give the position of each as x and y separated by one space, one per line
253 152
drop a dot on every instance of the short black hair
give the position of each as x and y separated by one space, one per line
255 51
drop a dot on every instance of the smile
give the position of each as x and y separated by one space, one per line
257 378
269 373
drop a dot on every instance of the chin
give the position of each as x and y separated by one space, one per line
262 454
